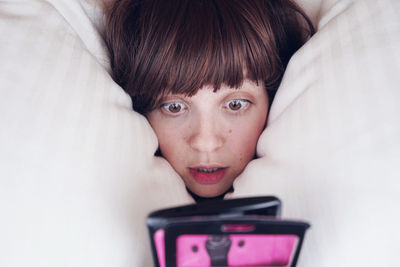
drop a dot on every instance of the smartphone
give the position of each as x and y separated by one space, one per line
236 232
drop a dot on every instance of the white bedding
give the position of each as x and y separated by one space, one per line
77 171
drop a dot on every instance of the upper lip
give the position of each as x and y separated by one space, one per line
207 167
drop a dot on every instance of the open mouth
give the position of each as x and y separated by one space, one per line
207 175
211 170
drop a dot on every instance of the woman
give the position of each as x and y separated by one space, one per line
204 73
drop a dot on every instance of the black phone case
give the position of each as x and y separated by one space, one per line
221 220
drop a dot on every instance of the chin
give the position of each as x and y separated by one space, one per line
209 192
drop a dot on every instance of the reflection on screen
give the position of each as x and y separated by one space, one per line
235 250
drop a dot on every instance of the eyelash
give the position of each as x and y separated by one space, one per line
165 108
244 105
243 102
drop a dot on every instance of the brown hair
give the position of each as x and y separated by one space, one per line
158 46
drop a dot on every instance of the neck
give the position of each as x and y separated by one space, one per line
199 199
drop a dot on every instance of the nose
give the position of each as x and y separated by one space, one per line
207 135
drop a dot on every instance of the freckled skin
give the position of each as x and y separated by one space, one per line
206 131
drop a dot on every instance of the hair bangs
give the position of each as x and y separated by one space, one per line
213 44
181 46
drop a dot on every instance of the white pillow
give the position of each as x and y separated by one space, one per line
78 175
331 150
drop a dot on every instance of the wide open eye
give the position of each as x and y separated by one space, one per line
173 107
237 104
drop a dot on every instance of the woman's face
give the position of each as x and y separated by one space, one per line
209 138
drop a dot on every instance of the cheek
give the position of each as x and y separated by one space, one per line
172 143
243 138
165 142
243 142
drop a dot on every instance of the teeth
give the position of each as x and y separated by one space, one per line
207 170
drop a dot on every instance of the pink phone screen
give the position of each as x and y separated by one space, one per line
244 250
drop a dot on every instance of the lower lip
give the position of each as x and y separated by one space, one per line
207 178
